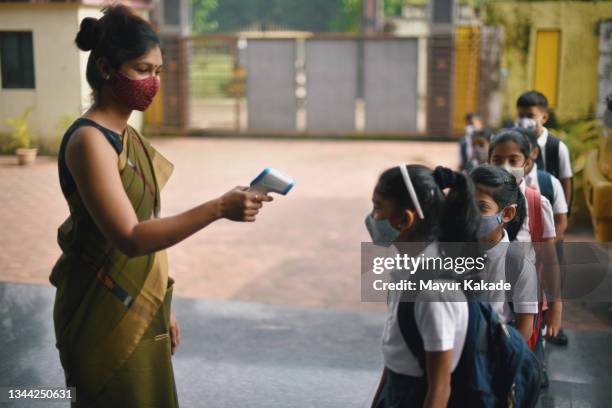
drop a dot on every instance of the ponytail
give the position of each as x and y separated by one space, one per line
460 216
453 218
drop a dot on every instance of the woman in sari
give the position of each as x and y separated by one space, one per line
114 327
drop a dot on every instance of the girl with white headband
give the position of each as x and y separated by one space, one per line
409 205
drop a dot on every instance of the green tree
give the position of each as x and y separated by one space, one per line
200 12
393 8
348 19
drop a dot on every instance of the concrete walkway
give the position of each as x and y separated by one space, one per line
238 354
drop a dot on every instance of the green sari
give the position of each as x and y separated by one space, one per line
111 312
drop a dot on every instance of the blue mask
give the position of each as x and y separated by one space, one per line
381 231
488 224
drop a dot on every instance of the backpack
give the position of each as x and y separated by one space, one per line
496 368
546 185
536 230
552 162
534 207
551 150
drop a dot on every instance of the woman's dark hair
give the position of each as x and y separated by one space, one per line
511 135
119 36
450 218
502 187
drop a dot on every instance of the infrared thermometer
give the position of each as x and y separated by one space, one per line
271 181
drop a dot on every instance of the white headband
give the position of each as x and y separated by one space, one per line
411 191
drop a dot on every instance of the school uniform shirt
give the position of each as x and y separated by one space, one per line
559 205
467 139
548 219
565 168
442 320
524 290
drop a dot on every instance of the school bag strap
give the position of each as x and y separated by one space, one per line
552 155
534 207
546 185
408 327
496 368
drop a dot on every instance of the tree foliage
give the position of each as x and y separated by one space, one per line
310 15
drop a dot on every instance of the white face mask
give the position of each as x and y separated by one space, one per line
517 172
527 123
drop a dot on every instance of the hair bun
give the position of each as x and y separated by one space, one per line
445 177
87 37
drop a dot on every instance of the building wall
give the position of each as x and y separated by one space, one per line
579 55
59 66
56 65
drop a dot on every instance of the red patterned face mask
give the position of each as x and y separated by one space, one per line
135 93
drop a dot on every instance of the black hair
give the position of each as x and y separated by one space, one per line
472 115
119 36
514 136
451 218
482 134
502 187
530 135
532 98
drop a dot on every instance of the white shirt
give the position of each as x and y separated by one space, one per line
565 167
524 290
442 320
548 219
559 205
468 145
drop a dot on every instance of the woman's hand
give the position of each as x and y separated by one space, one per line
239 204
175 332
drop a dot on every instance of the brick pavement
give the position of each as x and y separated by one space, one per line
303 250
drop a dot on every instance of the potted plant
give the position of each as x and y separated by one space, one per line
21 138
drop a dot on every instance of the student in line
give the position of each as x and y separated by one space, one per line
532 113
502 209
472 124
550 187
409 206
480 148
547 184
114 326
510 149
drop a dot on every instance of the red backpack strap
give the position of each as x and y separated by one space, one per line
536 229
534 206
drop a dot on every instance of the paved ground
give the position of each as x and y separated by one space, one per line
304 357
300 257
304 248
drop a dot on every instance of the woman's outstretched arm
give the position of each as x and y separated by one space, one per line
93 165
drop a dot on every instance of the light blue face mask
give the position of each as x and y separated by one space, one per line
381 231
488 224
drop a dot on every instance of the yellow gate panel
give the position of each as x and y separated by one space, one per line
546 67
154 115
467 73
